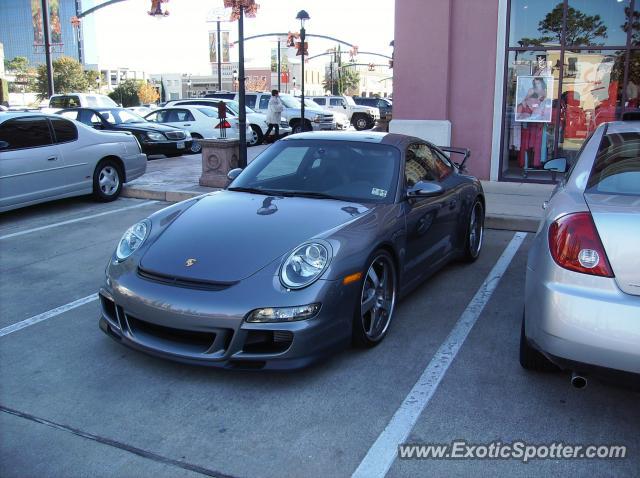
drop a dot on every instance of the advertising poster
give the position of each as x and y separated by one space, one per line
213 47
54 22
534 95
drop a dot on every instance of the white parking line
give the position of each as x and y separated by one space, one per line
47 315
382 453
71 221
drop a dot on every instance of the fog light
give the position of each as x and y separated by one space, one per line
588 258
284 314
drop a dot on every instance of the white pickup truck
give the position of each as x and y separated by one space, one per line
361 117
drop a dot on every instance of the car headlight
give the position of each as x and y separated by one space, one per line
155 136
132 239
304 265
317 119
284 314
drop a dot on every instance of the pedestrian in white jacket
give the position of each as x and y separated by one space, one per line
273 114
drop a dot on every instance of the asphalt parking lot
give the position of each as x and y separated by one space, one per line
75 403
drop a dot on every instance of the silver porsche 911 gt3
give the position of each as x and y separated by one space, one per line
306 251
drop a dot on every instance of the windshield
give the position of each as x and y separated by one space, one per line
349 100
290 101
346 170
121 116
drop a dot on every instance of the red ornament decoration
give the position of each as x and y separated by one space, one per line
353 52
250 8
291 39
75 22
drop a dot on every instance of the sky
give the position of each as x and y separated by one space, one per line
178 43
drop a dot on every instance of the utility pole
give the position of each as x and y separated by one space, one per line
279 65
242 117
47 46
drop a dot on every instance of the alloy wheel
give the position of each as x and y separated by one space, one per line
361 123
109 180
196 147
476 229
378 297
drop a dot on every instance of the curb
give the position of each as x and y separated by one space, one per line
492 221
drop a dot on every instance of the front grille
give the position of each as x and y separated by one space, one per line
326 119
183 282
185 340
175 135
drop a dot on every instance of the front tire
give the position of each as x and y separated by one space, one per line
257 137
376 301
532 359
196 146
474 232
107 181
360 122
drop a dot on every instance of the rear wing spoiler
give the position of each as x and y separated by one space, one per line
464 151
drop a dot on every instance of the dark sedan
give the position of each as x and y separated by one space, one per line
153 138
305 252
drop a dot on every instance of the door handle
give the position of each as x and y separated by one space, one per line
453 204
186 124
52 158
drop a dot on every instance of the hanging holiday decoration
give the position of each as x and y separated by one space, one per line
291 39
250 8
353 53
156 9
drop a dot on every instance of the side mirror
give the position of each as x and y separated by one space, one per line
425 189
4 145
231 175
558 165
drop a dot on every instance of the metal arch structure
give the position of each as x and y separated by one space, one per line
262 35
346 52
89 11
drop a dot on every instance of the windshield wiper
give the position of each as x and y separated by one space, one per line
264 192
310 194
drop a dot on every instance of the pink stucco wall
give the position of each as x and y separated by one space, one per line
444 69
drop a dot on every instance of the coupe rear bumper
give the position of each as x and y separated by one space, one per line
208 327
576 318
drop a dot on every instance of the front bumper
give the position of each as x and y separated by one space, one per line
166 147
575 318
207 327
324 126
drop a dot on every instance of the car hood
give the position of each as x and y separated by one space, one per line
145 127
232 235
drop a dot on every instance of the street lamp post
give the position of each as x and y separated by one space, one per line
47 46
242 117
235 80
302 16
189 87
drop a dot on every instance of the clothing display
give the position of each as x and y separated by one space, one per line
532 143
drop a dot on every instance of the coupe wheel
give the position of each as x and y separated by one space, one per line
196 146
256 136
475 232
377 301
107 181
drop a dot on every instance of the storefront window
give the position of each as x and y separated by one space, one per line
571 66
591 95
596 22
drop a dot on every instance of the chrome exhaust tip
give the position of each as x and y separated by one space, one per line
578 381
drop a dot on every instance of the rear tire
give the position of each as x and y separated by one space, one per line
532 359
360 122
107 180
474 232
296 126
258 137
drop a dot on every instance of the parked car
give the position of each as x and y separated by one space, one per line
79 100
384 105
257 121
314 120
361 117
323 232
45 157
154 138
200 121
582 293
340 119
227 95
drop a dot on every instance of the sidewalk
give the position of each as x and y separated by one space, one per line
510 206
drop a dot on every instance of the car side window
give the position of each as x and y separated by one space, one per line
94 120
22 133
424 164
153 117
180 116
73 115
264 102
250 101
320 101
65 131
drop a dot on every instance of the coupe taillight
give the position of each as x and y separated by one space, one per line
224 124
575 245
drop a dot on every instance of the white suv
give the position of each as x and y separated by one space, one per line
361 117
314 120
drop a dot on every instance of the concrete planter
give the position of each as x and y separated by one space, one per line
219 156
